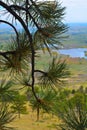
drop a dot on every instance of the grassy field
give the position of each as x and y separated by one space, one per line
78 69
29 122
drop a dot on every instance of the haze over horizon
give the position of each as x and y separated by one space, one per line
76 11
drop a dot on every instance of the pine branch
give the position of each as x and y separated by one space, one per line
40 71
16 7
3 21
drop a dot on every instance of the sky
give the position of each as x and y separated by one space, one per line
76 11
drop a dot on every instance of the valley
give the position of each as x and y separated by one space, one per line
76 36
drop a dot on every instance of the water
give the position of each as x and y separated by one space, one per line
75 52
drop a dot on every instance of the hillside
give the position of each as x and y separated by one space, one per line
77 34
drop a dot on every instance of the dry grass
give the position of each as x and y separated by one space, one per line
79 77
29 122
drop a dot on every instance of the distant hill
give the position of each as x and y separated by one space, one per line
5 33
77 34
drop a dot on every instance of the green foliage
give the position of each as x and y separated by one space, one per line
74 116
6 117
7 92
81 89
48 32
55 74
46 18
61 102
44 39
19 105
47 99
21 53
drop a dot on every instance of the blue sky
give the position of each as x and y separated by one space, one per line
76 10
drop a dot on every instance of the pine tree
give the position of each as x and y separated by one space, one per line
45 18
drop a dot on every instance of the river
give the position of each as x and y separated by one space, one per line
74 52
